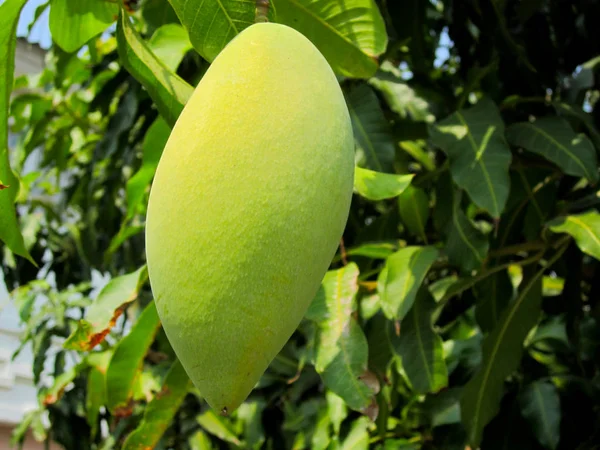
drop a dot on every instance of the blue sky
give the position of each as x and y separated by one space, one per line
40 34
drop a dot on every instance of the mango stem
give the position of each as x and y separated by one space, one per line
262 11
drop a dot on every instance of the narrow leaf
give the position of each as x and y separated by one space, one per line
501 351
406 270
57 389
554 139
585 229
167 89
493 295
211 24
96 388
153 145
74 23
419 347
10 233
342 350
103 313
375 144
351 34
126 362
479 156
217 426
540 405
358 437
160 411
413 205
379 186
466 246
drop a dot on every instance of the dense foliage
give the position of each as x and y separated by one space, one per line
463 306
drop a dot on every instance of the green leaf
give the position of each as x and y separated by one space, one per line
540 405
169 91
341 349
211 24
217 426
501 351
585 229
73 24
401 98
379 186
96 388
160 411
250 413
466 246
373 250
126 362
554 139
413 205
406 270
358 437
479 156
375 144
200 441
153 145
158 13
419 347
350 34
170 43
55 392
10 233
103 313
493 295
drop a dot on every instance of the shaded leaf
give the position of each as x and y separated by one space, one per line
554 139
127 359
341 349
160 411
217 426
103 313
350 34
406 270
479 156
10 233
250 413
501 351
466 246
212 24
74 23
375 144
419 347
168 91
493 295
158 13
585 229
170 43
540 405
379 186
153 145
413 205
96 388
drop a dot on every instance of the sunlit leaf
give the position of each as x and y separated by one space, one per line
170 43
169 91
358 437
419 347
57 389
479 156
127 360
73 24
250 413
160 411
96 388
9 226
540 405
351 34
379 186
342 351
375 144
554 139
502 350
217 426
406 270
211 24
103 313
585 229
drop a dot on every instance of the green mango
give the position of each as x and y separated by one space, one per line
247 208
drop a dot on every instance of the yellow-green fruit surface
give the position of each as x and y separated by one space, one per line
248 205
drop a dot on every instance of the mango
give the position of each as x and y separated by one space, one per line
248 205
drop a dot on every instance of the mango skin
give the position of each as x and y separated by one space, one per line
247 208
